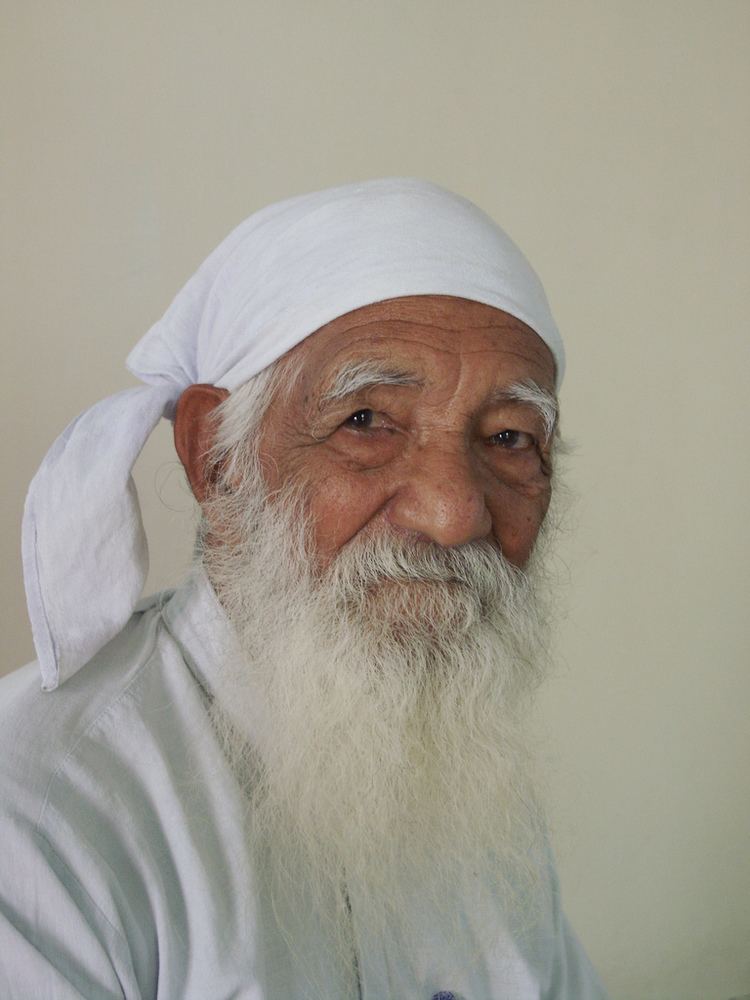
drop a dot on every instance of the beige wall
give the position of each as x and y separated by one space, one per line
611 139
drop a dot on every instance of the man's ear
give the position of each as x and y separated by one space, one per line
194 432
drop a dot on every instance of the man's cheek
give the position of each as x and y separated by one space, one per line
340 506
516 525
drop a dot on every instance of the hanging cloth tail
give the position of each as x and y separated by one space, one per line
85 556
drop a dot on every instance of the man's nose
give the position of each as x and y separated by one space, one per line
442 496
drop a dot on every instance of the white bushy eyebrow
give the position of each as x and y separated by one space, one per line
359 375
531 393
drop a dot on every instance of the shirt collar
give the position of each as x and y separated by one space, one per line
198 622
208 641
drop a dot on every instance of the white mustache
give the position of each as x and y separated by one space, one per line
477 571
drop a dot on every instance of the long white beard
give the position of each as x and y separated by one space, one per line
389 762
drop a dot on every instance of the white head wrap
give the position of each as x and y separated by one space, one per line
282 274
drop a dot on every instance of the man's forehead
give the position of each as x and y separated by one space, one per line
443 311
399 335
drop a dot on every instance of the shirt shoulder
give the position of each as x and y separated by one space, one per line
40 730
92 778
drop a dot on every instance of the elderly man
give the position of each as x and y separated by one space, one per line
303 774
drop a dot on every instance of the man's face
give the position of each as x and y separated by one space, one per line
405 416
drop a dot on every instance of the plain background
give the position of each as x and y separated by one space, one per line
611 139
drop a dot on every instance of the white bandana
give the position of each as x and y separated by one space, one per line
282 274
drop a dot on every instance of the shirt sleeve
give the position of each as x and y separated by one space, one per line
54 940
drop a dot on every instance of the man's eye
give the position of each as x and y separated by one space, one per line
360 419
513 440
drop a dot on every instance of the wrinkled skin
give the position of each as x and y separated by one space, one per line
443 459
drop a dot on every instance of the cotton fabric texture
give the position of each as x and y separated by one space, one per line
282 274
128 873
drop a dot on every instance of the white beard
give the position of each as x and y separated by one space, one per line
390 762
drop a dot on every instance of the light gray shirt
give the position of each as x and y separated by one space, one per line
125 866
